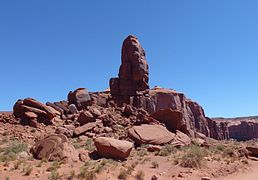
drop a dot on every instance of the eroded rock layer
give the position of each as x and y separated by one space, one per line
241 128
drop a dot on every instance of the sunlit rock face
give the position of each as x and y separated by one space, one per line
133 74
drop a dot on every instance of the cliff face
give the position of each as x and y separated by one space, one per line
166 104
240 128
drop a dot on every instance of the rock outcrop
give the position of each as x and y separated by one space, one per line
129 102
31 111
133 74
218 129
241 128
177 112
169 107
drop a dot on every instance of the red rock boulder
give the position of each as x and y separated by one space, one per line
150 134
80 97
29 110
113 148
54 148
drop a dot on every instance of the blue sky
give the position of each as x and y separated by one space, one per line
206 49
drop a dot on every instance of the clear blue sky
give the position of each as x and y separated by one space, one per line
206 49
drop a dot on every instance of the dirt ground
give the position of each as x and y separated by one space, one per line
141 164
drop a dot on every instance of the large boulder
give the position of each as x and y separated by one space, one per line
181 139
113 148
80 97
29 110
36 104
150 134
85 117
54 148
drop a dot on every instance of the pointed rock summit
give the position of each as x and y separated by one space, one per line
133 74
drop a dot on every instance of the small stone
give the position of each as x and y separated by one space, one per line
83 155
180 175
83 138
23 154
108 129
205 178
90 134
153 148
95 112
34 123
73 109
154 177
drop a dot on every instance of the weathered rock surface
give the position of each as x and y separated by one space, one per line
181 139
83 129
80 97
241 128
177 112
73 109
218 129
85 117
31 110
133 73
173 119
113 148
169 107
54 148
150 134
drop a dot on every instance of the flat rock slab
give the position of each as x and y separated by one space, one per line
150 134
83 129
113 148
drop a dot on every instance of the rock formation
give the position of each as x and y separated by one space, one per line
30 111
133 74
130 102
177 112
242 128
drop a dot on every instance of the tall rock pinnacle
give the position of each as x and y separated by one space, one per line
133 73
